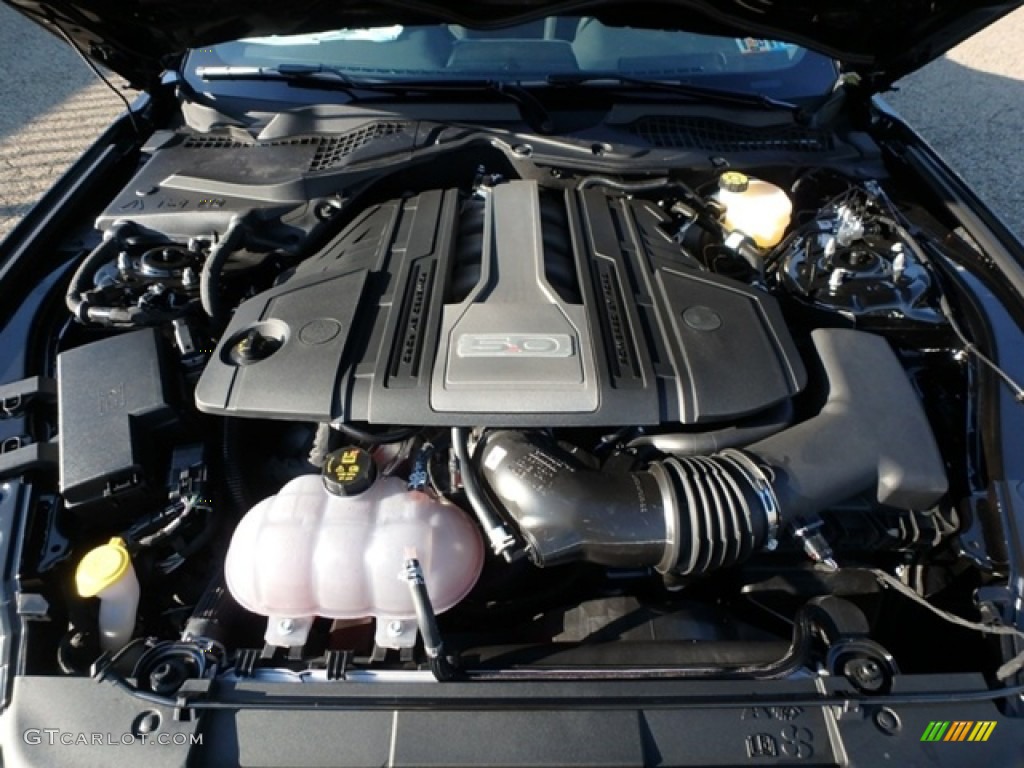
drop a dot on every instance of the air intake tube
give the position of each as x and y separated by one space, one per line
691 515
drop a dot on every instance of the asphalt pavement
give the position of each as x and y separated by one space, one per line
969 105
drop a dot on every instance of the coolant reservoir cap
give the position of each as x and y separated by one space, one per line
349 471
733 181
102 567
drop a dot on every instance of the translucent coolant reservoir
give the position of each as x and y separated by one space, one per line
307 552
757 208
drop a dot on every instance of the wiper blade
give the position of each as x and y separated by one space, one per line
694 92
306 74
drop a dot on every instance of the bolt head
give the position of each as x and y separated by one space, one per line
888 721
286 626
395 629
147 722
866 674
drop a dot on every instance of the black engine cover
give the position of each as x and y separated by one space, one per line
523 308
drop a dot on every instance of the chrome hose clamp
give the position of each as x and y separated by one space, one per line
760 479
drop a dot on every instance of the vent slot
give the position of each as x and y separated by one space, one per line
330 150
194 141
720 136
336 148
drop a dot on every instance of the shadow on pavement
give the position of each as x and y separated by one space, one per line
52 107
40 73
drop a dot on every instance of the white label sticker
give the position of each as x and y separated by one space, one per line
495 457
756 45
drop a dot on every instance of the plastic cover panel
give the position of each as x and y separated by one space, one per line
109 416
513 339
372 333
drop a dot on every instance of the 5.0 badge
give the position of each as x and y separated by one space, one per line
515 345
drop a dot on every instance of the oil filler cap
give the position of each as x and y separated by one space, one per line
349 471
102 567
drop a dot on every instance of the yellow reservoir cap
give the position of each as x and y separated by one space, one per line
734 181
102 567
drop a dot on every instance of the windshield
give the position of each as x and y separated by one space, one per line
531 52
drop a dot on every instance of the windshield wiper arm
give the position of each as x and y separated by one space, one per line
695 92
319 76
532 109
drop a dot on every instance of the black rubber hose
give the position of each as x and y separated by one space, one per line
490 519
234 482
214 614
82 280
698 443
647 185
426 621
376 438
209 278
696 206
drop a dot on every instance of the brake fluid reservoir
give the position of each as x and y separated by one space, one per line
757 208
313 551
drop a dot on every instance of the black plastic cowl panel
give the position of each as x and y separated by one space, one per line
369 330
193 185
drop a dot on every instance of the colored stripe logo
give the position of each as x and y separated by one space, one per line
958 730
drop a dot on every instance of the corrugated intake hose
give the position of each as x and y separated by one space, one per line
691 515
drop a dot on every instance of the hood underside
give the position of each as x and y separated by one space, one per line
881 40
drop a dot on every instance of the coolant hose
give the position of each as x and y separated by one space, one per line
690 515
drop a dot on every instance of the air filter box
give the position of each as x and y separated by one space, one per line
115 416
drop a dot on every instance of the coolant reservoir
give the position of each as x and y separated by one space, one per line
310 552
758 209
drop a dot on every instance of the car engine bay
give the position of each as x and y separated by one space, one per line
327 416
